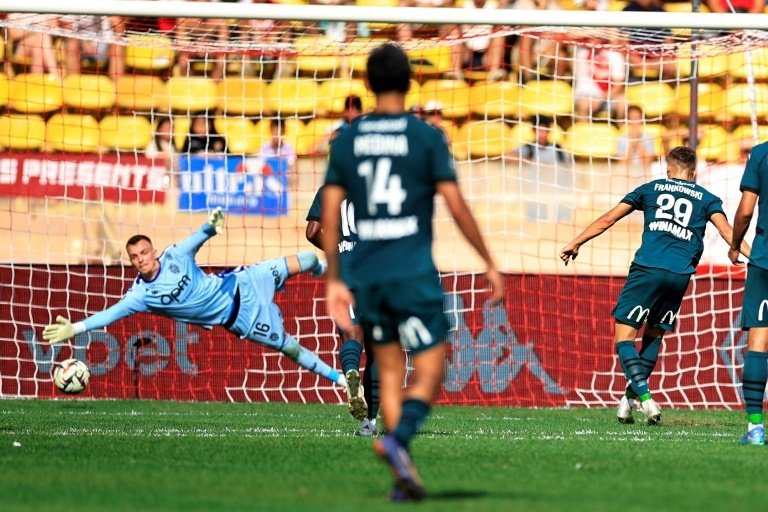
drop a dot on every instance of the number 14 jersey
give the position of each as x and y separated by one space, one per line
676 215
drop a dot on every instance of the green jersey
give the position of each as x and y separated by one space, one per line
676 215
389 165
755 179
347 230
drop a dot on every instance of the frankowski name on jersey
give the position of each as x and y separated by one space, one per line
679 187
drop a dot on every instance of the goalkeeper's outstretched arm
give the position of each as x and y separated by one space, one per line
64 329
213 226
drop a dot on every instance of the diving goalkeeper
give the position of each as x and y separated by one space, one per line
241 299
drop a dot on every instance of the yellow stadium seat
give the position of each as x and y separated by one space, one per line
149 52
194 94
452 94
741 102
713 62
547 98
759 64
126 133
586 139
180 130
520 134
20 132
356 52
4 87
742 140
35 93
140 93
655 98
317 55
483 139
242 96
240 134
494 100
711 100
292 96
431 59
73 133
89 92
713 145
331 95
313 133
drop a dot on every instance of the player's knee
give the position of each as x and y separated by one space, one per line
307 261
292 349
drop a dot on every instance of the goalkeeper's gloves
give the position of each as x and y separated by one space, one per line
216 220
62 330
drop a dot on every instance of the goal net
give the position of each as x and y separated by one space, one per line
118 125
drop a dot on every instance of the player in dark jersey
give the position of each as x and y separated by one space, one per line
390 165
676 212
363 400
754 184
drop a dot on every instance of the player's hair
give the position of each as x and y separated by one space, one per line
136 239
388 69
682 157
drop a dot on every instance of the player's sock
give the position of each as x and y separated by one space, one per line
371 388
633 368
755 375
349 355
310 361
308 261
413 416
649 354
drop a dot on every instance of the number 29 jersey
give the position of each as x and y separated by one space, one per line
389 165
676 214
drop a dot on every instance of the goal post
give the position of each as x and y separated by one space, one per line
540 154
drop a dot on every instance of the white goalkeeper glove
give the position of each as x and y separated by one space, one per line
62 330
216 220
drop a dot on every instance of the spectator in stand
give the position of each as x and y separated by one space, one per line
635 147
736 6
278 147
540 56
205 32
33 48
162 145
405 31
639 57
95 53
598 76
543 150
480 50
203 138
433 114
353 107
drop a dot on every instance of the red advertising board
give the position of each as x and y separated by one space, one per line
121 177
549 345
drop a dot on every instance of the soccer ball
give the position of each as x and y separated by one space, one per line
71 376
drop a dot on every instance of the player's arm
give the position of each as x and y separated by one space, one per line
314 233
741 221
469 228
213 226
726 232
338 295
63 329
597 228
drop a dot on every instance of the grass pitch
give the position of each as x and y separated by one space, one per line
150 456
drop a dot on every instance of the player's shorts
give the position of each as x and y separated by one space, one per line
259 319
409 311
754 311
651 295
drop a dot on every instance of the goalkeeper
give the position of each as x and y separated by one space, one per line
241 300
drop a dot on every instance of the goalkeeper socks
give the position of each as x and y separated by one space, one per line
413 416
349 355
371 387
633 368
310 361
307 261
753 383
649 354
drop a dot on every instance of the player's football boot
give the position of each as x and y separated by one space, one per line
651 411
755 435
368 428
357 406
624 412
406 476
320 269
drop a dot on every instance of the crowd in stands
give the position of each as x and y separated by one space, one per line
597 78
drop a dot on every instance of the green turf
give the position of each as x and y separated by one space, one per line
145 456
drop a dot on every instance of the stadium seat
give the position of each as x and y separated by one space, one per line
317 55
713 62
291 96
356 52
430 59
494 100
713 143
742 140
520 134
240 134
242 96
487 139
35 93
588 139
21 132
655 98
180 130
73 133
758 58
195 94
89 92
149 52
742 104
314 132
331 95
711 100
125 133
4 88
547 98
140 93
452 94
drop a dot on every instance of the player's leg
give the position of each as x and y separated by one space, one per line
304 261
369 426
755 372
349 357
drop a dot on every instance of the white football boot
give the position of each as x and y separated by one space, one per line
624 412
651 411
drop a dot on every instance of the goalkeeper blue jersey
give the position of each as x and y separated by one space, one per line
676 214
755 180
180 290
